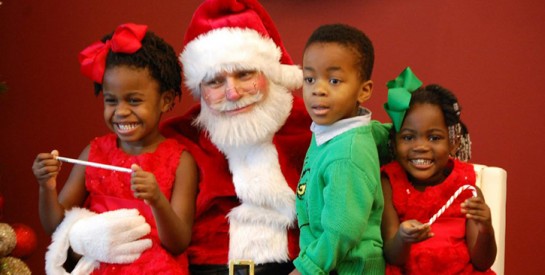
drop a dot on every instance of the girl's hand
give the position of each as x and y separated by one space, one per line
46 168
144 185
477 210
413 231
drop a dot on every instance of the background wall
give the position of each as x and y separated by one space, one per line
490 53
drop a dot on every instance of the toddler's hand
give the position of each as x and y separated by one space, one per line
46 168
144 185
413 231
477 210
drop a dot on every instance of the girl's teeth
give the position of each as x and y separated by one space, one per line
127 127
421 161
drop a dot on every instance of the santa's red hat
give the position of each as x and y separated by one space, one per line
235 34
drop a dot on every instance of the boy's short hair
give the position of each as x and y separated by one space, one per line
350 37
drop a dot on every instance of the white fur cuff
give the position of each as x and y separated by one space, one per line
57 252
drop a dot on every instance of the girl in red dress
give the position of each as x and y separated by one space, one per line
430 143
139 76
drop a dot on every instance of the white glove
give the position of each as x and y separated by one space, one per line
57 252
111 237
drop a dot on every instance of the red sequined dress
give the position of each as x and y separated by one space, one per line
110 190
446 252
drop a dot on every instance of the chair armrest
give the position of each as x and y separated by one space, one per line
493 184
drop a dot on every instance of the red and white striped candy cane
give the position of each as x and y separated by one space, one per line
451 199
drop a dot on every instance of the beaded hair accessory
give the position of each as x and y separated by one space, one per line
455 131
127 38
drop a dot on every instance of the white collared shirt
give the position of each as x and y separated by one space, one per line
324 133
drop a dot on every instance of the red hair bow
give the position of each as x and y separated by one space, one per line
127 38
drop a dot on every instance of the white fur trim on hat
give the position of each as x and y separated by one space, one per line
228 49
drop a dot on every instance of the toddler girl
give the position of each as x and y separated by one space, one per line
429 143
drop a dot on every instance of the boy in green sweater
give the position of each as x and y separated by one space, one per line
339 197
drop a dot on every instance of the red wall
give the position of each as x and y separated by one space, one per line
490 53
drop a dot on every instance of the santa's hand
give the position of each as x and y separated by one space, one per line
111 237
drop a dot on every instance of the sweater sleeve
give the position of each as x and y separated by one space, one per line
381 135
348 199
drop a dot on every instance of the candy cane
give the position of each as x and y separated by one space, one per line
94 164
449 202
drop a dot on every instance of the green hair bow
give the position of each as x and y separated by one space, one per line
399 95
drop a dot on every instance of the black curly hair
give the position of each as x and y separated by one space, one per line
350 37
437 95
155 55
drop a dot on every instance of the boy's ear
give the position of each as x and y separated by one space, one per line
366 90
167 99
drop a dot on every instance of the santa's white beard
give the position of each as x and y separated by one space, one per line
258 226
256 126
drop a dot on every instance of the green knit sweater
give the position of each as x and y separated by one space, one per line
339 206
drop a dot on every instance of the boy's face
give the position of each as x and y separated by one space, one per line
333 88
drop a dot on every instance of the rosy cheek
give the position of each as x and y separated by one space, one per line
207 101
262 84
211 96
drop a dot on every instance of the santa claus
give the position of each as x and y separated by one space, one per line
249 135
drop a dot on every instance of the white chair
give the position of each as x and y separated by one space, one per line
493 183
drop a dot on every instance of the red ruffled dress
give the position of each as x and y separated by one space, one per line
110 190
446 252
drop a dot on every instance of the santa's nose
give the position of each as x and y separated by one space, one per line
231 91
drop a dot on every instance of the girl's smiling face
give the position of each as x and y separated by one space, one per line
422 145
133 105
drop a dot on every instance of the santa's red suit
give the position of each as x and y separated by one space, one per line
246 202
217 197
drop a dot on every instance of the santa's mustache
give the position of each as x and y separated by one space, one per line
226 106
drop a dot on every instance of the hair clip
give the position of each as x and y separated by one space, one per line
456 108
